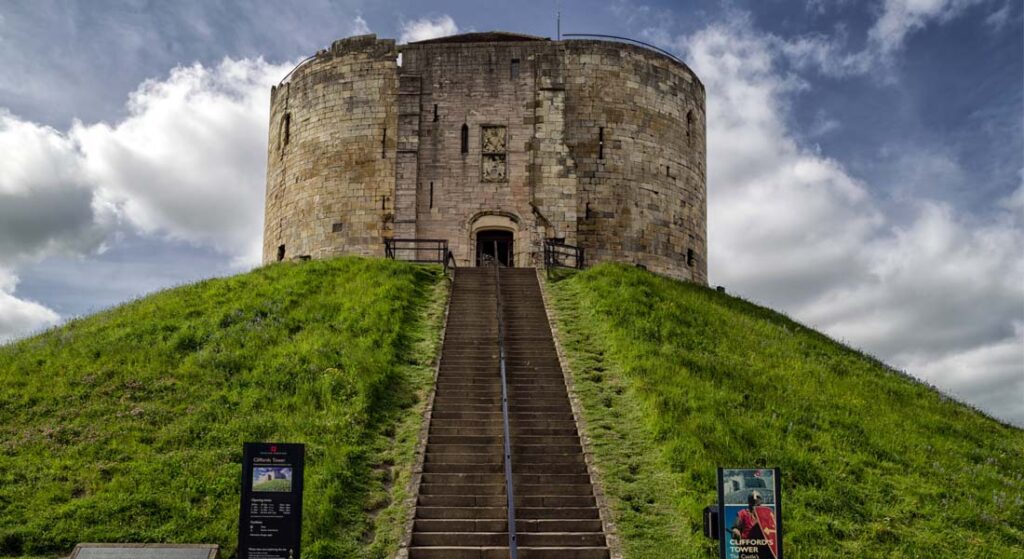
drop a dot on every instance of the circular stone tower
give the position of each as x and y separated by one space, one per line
490 139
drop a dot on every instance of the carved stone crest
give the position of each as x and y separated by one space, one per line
494 147
493 139
494 168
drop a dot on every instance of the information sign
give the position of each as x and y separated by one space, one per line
749 513
270 523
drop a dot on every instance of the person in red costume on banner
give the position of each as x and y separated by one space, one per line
757 522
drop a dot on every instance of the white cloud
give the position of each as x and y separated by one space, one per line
189 161
900 18
989 373
998 19
46 206
359 27
934 292
17 316
427 28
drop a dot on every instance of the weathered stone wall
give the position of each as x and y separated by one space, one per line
331 156
599 144
473 85
642 194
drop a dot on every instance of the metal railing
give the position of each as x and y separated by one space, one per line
424 251
561 255
513 546
627 40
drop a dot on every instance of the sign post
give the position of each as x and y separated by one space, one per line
749 513
270 523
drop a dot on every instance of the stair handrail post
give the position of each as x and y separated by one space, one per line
513 547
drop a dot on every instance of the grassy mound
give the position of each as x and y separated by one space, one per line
676 379
128 425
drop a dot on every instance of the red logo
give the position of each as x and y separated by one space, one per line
273 448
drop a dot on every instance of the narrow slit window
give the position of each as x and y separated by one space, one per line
668 171
435 112
384 144
600 143
431 201
514 69
280 253
690 257
383 202
689 126
465 138
287 128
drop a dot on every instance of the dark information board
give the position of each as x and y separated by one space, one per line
270 523
749 513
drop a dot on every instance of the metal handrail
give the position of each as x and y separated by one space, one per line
628 40
556 254
513 546
297 66
436 249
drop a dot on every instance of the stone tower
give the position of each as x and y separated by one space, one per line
495 136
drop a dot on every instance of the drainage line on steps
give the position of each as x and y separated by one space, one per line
513 548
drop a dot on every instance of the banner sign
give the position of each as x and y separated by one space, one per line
270 523
749 513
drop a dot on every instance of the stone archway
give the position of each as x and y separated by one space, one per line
501 231
495 246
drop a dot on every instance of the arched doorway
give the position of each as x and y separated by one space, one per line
493 236
495 245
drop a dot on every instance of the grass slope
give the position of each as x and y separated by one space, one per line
128 425
676 379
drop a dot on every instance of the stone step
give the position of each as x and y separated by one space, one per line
468 489
502 553
460 512
549 501
548 539
473 513
522 526
557 479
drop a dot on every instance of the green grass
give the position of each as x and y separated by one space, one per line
128 425
676 379
273 485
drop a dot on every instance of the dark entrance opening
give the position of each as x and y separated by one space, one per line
494 246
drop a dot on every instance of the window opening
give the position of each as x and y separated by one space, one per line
514 69
435 112
600 143
287 128
384 143
337 227
465 138
431 194
280 253
689 126
690 257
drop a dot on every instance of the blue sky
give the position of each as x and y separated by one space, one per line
865 157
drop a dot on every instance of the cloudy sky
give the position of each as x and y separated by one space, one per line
866 158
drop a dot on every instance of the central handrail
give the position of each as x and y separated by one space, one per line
513 547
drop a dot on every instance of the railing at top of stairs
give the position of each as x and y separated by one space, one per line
424 251
560 255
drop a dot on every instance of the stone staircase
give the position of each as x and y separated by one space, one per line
461 508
